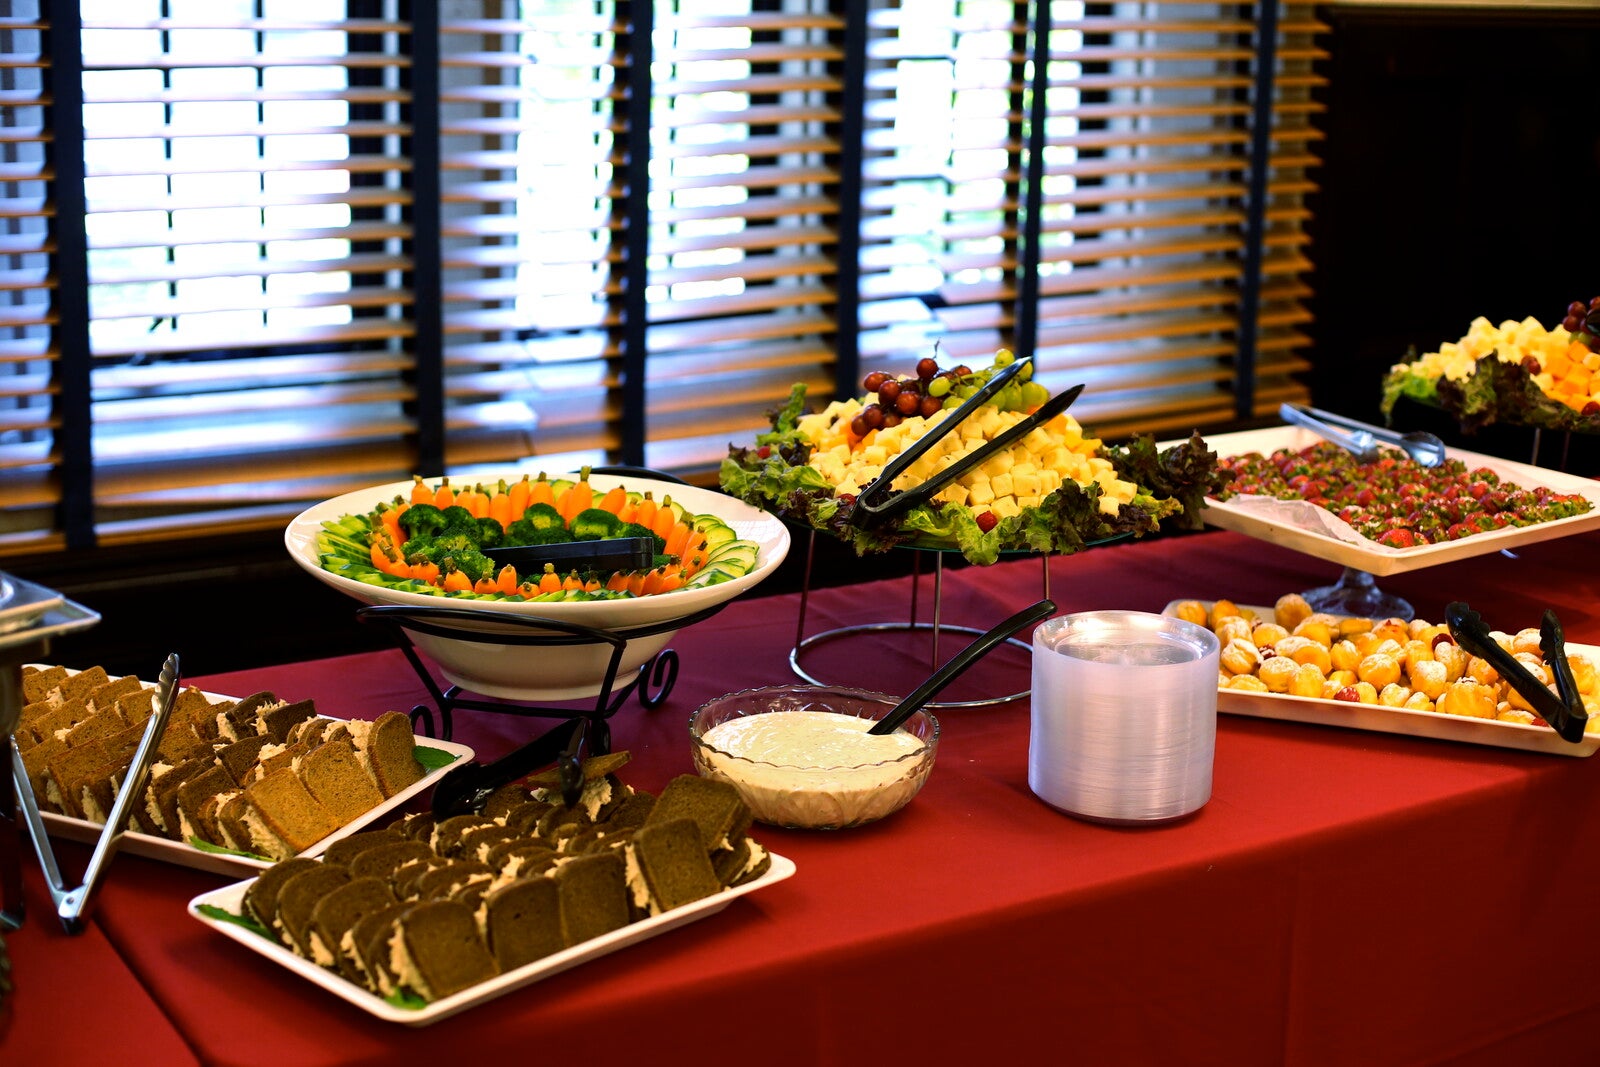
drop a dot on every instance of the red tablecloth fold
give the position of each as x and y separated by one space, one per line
1345 897
75 1000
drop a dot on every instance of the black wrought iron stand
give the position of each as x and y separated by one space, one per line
937 627
653 681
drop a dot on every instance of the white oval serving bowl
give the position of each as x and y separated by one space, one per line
548 672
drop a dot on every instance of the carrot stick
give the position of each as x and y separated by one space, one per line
550 581
541 491
485 585
645 513
420 493
444 496
518 497
617 582
665 519
572 581
579 496
677 537
636 583
428 572
652 583
614 500
693 555
500 508
457 582
507 580
391 522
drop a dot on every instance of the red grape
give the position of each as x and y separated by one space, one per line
908 403
873 415
931 406
858 426
888 390
927 368
873 380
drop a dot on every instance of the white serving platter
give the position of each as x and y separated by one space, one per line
1301 526
236 864
1379 718
230 899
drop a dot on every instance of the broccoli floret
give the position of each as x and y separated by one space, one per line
490 532
594 524
543 517
458 519
633 529
421 521
454 552
523 532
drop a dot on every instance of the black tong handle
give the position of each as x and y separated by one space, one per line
869 510
611 554
1565 713
465 788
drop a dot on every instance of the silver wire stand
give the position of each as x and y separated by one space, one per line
936 628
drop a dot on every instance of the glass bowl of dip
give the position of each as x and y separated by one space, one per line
801 757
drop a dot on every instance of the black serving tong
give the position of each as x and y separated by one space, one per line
611 554
464 789
1563 709
870 510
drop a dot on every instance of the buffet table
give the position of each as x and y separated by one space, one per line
1345 897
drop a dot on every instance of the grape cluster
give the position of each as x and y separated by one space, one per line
894 399
1583 318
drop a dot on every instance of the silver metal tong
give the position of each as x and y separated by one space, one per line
1361 439
72 903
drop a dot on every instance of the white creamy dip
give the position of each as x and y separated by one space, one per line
815 768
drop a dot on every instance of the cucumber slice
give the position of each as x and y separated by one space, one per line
715 530
731 555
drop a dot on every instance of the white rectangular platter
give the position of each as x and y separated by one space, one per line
230 899
1379 718
236 864
1379 559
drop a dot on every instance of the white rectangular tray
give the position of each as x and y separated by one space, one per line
230 899
1379 559
1382 719
184 854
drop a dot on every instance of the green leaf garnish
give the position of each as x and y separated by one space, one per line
433 758
207 846
211 911
404 998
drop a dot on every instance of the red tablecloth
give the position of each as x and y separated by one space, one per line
1345 897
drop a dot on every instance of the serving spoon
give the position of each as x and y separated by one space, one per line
958 664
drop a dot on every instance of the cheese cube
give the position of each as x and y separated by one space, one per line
980 493
1002 484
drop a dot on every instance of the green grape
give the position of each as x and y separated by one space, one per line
939 387
952 402
1034 394
1004 358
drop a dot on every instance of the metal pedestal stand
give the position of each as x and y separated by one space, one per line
936 628
653 681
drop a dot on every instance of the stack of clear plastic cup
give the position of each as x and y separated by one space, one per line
1124 715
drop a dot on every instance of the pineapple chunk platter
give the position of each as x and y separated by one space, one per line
982 461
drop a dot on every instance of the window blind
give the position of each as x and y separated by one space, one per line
259 252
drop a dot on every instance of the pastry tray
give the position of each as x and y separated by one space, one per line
237 864
1269 520
1379 718
230 899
